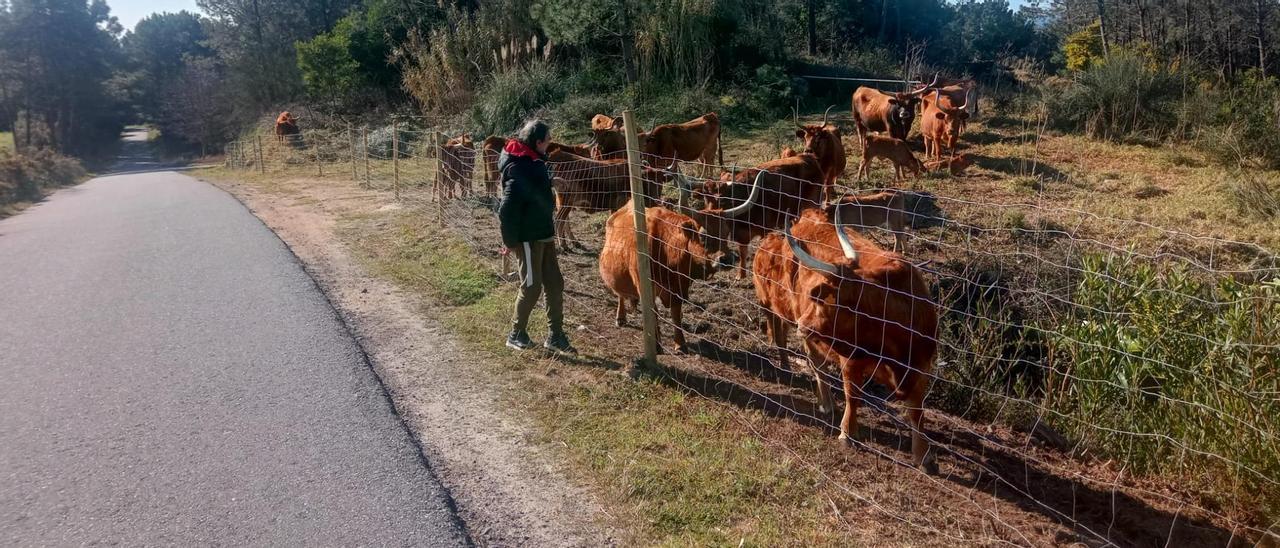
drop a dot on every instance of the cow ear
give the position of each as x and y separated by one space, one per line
894 102
800 133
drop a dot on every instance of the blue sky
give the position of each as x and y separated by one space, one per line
131 11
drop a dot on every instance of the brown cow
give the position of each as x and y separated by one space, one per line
880 209
491 150
955 164
740 212
593 185
857 307
959 91
610 142
286 124
889 148
577 150
824 142
676 258
892 113
941 124
457 164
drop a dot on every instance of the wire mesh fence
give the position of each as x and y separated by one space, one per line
1118 378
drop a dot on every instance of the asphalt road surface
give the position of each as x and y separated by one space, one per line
169 374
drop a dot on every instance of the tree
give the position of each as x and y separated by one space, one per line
329 71
158 50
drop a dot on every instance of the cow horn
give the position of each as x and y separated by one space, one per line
751 198
845 245
928 87
965 106
824 115
795 115
809 261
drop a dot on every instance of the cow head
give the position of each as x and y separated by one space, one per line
718 225
902 108
815 264
820 140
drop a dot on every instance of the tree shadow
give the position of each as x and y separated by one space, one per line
1018 166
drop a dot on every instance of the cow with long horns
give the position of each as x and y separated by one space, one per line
859 308
824 142
740 212
941 124
892 113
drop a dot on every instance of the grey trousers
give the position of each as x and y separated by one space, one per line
539 271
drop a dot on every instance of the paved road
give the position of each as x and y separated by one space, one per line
170 375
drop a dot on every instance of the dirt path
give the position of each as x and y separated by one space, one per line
508 492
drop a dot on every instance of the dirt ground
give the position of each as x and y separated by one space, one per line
508 492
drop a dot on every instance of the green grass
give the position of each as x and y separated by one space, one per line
678 470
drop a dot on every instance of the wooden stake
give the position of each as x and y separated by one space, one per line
261 168
351 140
395 160
642 241
319 165
364 141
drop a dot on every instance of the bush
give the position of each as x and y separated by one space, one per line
25 177
512 96
1125 96
1248 119
1163 362
1255 196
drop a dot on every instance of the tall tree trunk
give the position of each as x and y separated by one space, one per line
1102 25
884 20
628 38
1260 21
813 29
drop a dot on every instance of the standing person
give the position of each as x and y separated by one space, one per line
528 230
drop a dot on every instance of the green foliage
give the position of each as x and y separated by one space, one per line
157 50
24 177
1161 360
1248 120
329 71
511 97
1083 48
1121 97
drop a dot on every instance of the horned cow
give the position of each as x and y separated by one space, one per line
892 113
286 125
941 124
857 307
824 142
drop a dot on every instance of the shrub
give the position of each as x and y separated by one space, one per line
1255 196
1162 361
24 177
1124 96
512 96
1248 118
1083 48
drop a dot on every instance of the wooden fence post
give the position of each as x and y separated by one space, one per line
351 141
364 142
319 164
258 139
635 167
395 159
439 184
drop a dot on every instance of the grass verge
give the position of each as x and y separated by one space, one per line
677 469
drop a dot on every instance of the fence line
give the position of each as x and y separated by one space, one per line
1164 361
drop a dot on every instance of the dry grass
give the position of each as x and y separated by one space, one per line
6 140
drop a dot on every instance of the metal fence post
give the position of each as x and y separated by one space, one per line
642 241
395 160
258 140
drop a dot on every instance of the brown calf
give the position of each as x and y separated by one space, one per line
593 185
490 151
892 149
457 165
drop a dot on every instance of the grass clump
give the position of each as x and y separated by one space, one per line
6 141
1125 96
25 177
1254 196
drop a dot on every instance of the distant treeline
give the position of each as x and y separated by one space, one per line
69 76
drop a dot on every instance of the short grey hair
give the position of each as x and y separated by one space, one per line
533 132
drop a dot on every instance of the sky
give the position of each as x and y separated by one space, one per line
131 11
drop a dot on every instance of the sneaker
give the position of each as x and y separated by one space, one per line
559 342
519 340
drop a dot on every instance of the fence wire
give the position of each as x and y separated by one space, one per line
1118 378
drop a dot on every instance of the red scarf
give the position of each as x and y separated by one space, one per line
517 148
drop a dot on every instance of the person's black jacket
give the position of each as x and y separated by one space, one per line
528 206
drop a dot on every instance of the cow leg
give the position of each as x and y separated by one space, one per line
900 240
777 331
852 376
826 404
621 318
677 320
742 261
